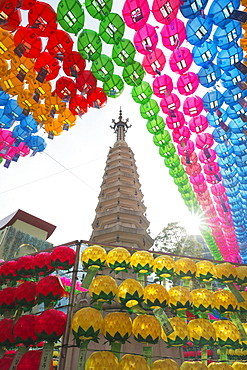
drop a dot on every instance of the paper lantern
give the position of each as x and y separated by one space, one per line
6 361
25 294
173 34
31 360
162 86
150 109
164 266
175 120
102 68
180 60
239 365
49 289
48 25
220 13
47 67
50 325
7 299
167 364
170 103
142 93
102 359
180 334
136 13
97 98
117 327
142 261
201 332
203 300
146 39
133 74
198 30
63 258
155 125
227 333
130 362
94 256
154 62
165 11
8 271
113 87
118 259
241 275
205 271
123 53
89 44
179 298
103 289
193 365
27 43
24 266
155 295
6 329
86 324
24 330
98 10
204 53
242 306
70 16
146 329
188 83
111 28
225 301
227 58
130 293
185 268
226 272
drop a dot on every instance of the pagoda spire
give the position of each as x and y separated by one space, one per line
121 127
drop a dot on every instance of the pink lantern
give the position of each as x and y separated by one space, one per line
193 169
207 158
135 13
180 60
170 103
146 39
176 121
173 34
197 180
165 11
188 83
213 179
6 138
188 148
181 135
190 159
198 124
199 188
218 189
154 62
211 168
162 86
192 106
204 141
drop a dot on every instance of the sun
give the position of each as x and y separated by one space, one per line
192 222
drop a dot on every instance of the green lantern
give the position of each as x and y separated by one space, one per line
141 94
111 28
182 180
89 44
173 161
167 150
133 74
156 125
70 16
150 109
177 171
188 196
98 9
114 86
183 189
123 53
162 139
102 68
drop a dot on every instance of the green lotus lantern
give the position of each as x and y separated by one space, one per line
177 171
182 180
123 53
70 16
142 93
149 109
172 161
162 139
155 125
102 68
98 9
111 28
184 189
114 86
167 150
89 44
133 74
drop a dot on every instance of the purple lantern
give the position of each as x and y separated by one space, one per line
170 103
146 39
162 86
136 13
154 62
173 34
188 83
198 124
180 60
192 106
165 11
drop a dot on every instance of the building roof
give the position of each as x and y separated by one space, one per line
29 219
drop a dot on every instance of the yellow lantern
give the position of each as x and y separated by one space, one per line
26 101
241 275
201 332
7 45
53 128
67 119
55 104
103 289
225 301
202 299
133 362
42 115
226 272
86 324
227 333
239 365
242 306
11 84
94 256
130 293
167 364
185 268
142 261
244 342
206 271
41 89
118 259
117 327
219 366
146 329
155 296
193 365
55 362
180 335
164 266
179 298
102 360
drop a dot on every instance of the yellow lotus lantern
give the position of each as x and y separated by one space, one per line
242 306
179 298
185 268
193 365
180 335
102 360
94 256
118 259
164 266
239 365
146 329
219 366
241 275
103 289
86 324
130 293
167 364
142 262
117 327
227 333
201 332
226 272
155 295
206 271
244 342
225 301
202 300
133 362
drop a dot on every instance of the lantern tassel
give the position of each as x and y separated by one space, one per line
147 352
141 278
223 354
46 358
204 355
17 358
236 320
82 355
116 349
163 320
236 292
89 277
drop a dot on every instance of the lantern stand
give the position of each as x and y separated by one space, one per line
70 308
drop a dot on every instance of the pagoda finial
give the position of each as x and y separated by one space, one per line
120 128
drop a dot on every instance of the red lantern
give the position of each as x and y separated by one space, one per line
6 330
7 299
198 124
27 43
47 67
14 21
24 330
86 82
63 258
25 294
170 103
175 121
26 4
59 44
24 266
50 325
42 18
73 64
154 62
7 8
49 289
65 87
31 360
8 271
180 60
78 105
42 263
97 98
6 361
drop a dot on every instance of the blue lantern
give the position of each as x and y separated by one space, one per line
215 119
240 150
20 134
227 36
204 53
241 161
5 121
237 139
231 77
235 111
192 8
220 135
231 96
227 58
223 150
238 126
13 110
227 162
220 11
228 172
4 97
209 76
212 100
198 30
29 124
36 143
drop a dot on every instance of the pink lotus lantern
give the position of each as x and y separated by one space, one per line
198 179
162 86
213 179
42 263
193 169
192 106
188 83
204 141
154 62
198 124
181 135
25 294
192 159
165 11
6 139
8 271
146 39
173 34
135 13
24 330
175 121
218 189
187 149
199 188
203 158
211 168
180 60
170 103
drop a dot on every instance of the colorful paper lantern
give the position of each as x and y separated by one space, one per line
130 293
123 53
193 365
167 364
225 301
203 300
192 106
241 275
146 39
155 125
25 294
155 295
173 34
188 83
142 93
50 325
154 62
89 44
146 329
164 266
170 103
180 334
201 332
100 359
111 28
63 258
133 74
226 272
227 333
113 87
135 13
24 330
162 85
179 298
98 10
118 259
94 256
49 289
142 261
242 306
128 361
185 268
117 327
165 11
70 16
86 324
180 60
103 289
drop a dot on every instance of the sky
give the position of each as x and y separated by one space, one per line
61 185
